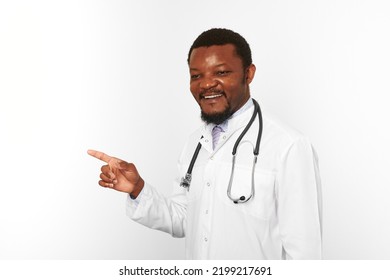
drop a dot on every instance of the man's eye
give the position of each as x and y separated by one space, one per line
223 73
195 76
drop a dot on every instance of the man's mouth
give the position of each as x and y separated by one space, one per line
212 96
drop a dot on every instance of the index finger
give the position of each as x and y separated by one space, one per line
99 155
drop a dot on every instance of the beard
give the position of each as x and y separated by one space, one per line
216 118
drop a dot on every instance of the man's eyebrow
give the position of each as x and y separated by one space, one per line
218 65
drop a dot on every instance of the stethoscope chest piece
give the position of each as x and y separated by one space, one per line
186 181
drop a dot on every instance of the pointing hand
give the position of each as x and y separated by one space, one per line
118 174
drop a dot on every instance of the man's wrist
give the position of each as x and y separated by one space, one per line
137 189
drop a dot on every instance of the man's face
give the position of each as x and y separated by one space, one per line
219 83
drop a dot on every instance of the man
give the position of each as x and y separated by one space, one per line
279 218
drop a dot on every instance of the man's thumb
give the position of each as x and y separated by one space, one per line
124 166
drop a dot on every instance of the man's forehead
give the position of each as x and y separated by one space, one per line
213 53
215 48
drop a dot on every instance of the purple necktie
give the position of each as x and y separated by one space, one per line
216 133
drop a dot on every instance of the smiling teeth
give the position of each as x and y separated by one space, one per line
212 96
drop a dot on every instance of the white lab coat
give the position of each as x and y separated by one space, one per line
281 221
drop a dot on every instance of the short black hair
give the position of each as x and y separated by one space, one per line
222 36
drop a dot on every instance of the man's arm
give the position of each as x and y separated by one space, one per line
151 208
156 211
299 202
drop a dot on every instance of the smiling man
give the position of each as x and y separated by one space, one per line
231 207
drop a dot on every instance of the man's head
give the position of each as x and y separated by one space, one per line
221 70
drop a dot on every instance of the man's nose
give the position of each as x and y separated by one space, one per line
208 83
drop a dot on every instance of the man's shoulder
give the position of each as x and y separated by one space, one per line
194 137
281 128
281 135
197 133
191 142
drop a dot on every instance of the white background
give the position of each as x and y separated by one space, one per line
112 76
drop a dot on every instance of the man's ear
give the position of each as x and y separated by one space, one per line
250 73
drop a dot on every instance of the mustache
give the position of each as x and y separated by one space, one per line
203 93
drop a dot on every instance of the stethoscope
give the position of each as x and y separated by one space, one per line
186 180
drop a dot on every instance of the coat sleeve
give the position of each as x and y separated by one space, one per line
299 206
156 211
